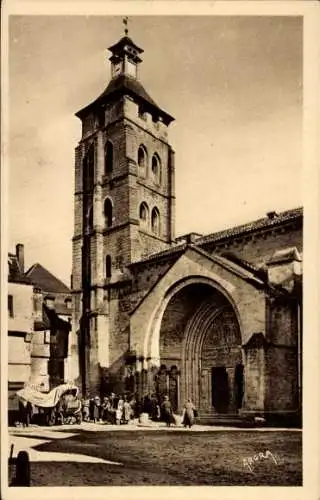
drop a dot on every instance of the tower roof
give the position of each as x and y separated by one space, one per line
126 84
122 85
125 44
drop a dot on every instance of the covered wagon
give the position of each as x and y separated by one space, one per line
60 405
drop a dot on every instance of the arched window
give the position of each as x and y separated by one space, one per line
142 160
108 212
108 157
144 213
156 169
155 221
88 169
108 266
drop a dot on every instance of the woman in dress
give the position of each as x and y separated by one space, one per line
119 411
188 414
127 412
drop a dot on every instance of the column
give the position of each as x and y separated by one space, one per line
231 381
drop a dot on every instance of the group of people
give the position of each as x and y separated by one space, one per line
188 416
121 409
113 409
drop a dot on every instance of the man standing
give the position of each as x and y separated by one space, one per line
167 411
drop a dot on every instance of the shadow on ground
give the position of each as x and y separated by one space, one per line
172 458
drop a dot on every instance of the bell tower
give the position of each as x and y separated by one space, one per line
124 201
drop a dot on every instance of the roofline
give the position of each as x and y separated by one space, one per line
168 252
80 114
218 236
232 267
125 40
49 272
241 272
20 281
246 228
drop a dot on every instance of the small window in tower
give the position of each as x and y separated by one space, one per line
142 160
142 114
108 209
155 221
10 306
88 169
156 169
144 213
68 303
108 266
90 218
108 157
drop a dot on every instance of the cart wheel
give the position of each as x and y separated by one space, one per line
22 469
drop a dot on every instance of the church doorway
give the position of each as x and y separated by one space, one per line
200 351
220 389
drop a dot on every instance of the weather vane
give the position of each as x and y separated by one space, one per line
125 23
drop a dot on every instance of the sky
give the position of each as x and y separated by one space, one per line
233 84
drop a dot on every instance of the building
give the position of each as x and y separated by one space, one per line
56 295
216 318
37 333
20 322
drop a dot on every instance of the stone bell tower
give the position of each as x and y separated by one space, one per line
123 204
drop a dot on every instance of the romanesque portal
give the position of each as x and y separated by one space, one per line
200 351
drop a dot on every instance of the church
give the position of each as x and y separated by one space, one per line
216 318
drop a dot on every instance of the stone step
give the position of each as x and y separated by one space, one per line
223 419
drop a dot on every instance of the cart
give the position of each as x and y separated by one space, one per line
61 405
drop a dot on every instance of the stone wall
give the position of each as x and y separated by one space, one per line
281 379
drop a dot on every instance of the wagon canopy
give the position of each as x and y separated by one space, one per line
45 400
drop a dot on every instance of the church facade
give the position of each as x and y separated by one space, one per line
217 318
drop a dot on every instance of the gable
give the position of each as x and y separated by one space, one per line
43 279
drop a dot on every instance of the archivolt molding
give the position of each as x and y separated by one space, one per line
152 337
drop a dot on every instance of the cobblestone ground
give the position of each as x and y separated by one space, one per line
104 455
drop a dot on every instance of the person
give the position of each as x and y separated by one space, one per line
29 411
147 405
23 413
91 408
167 411
96 409
133 404
104 408
112 408
154 414
127 412
85 409
188 414
59 412
119 411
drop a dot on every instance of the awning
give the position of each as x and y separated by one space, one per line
45 400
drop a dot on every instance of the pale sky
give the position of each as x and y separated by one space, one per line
233 84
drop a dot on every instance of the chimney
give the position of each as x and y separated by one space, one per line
20 256
272 214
